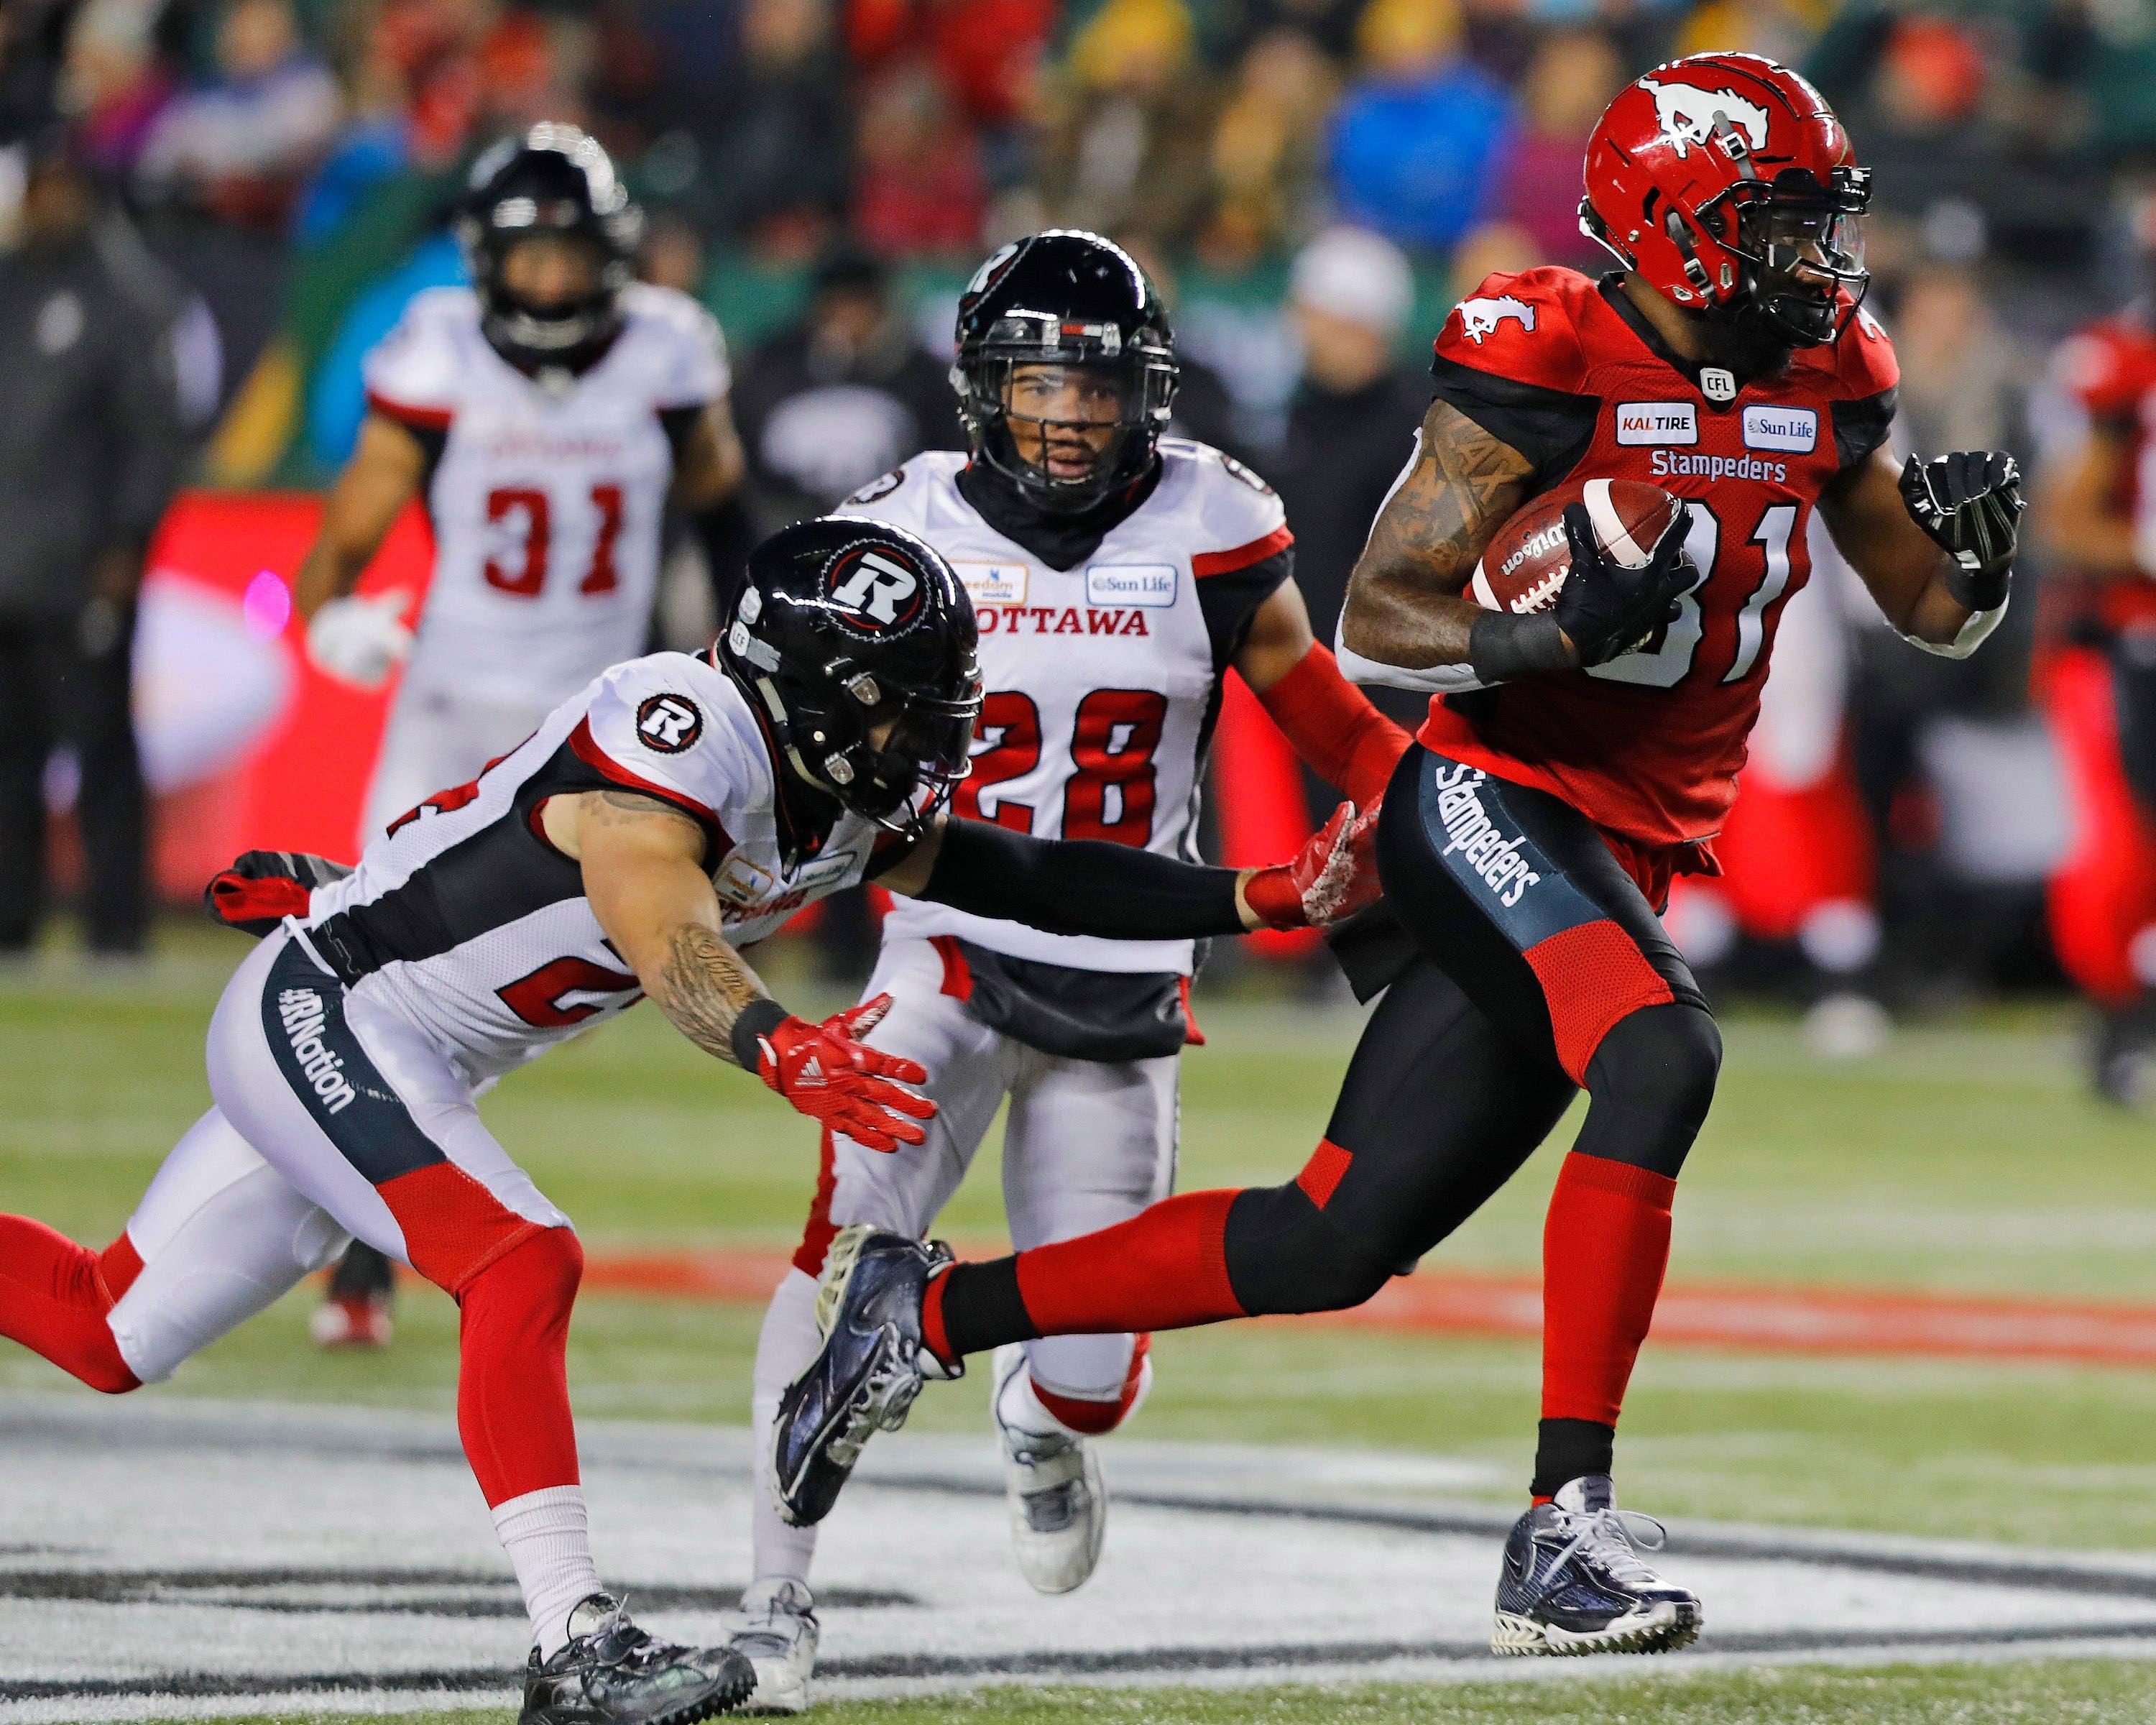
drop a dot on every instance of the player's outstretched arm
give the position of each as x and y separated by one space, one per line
1117 892
1328 722
1407 622
1934 541
359 640
643 865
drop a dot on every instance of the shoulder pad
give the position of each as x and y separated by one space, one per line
1864 358
672 727
2107 367
1236 519
683 352
1523 326
415 373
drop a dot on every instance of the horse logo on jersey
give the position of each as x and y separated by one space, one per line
1478 318
1688 114
669 723
875 590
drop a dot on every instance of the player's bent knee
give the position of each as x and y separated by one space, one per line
1286 1256
1659 1065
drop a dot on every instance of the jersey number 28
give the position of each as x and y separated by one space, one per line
1110 792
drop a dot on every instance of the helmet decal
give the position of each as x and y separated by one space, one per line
875 589
1689 113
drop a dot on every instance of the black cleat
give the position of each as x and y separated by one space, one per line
613 1673
1573 1581
868 1308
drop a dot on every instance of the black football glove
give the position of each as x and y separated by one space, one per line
263 887
1606 608
1970 503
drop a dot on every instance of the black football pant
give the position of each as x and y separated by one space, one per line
1537 963
51 694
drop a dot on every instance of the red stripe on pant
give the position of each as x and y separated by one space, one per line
55 1296
1606 1247
1096 1418
1592 975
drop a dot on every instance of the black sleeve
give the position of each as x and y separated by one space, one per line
1550 427
1229 601
1079 885
677 423
1861 426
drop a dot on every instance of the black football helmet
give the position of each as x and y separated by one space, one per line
1064 298
555 179
845 626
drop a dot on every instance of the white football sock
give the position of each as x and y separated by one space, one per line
1021 1408
548 1538
787 1343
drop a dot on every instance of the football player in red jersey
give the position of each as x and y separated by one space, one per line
1576 760
2098 510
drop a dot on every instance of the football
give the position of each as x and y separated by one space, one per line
1522 568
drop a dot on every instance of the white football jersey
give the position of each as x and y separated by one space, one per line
465 919
1103 680
546 504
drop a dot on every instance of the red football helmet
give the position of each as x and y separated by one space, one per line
1726 183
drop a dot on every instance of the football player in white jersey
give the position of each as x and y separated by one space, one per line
546 414
676 809
1117 576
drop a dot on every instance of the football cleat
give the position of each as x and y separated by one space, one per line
868 1310
613 1673
1058 1498
1572 1580
778 1637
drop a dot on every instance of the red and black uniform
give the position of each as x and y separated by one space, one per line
2103 900
1525 846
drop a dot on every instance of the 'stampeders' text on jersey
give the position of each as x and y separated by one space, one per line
470 924
546 505
1648 746
1102 680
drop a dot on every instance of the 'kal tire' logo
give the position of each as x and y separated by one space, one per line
669 723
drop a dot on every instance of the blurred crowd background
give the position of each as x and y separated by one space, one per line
1312 181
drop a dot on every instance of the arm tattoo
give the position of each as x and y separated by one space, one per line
702 987
1404 600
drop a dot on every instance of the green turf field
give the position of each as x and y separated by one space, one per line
1965 1158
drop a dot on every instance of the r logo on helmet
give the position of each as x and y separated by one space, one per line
669 723
874 590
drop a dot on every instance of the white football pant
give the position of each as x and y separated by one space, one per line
1086 1144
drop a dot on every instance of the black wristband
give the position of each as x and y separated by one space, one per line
1977 589
1500 646
757 1020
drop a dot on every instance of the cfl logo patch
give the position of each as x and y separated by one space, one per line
668 723
878 593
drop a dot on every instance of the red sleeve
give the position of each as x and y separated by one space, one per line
1331 726
1865 391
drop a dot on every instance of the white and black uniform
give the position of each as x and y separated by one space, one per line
347 1050
1102 683
547 506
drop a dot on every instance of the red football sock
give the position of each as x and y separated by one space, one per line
1165 1269
512 1378
1606 1247
54 1295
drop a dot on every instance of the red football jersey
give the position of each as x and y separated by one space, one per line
2110 370
1568 372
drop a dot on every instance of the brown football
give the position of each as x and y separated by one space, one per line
1524 565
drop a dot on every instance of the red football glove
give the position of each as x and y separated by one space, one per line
835 1078
1334 875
